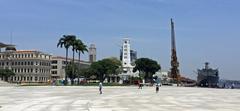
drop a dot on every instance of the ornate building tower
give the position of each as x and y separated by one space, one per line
127 67
174 62
92 53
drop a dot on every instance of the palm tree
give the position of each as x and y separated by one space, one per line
80 48
65 42
73 43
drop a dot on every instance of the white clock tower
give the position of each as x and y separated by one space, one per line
126 58
126 61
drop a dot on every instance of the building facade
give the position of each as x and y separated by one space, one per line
92 53
28 65
59 63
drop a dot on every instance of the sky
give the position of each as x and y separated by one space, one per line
206 30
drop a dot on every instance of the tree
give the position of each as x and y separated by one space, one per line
65 42
6 73
73 43
77 46
105 67
147 66
84 72
80 48
72 74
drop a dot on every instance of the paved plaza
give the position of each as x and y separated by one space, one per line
75 98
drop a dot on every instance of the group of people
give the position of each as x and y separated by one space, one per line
156 80
140 85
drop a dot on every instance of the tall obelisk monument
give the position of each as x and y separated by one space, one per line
174 62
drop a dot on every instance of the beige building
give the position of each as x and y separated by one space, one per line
58 64
28 65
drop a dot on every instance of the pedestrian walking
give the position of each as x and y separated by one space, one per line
100 88
157 88
233 86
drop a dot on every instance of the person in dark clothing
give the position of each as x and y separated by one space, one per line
157 88
100 88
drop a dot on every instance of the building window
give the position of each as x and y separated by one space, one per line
36 63
54 72
54 67
54 62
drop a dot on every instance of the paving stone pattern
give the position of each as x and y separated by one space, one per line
75 98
